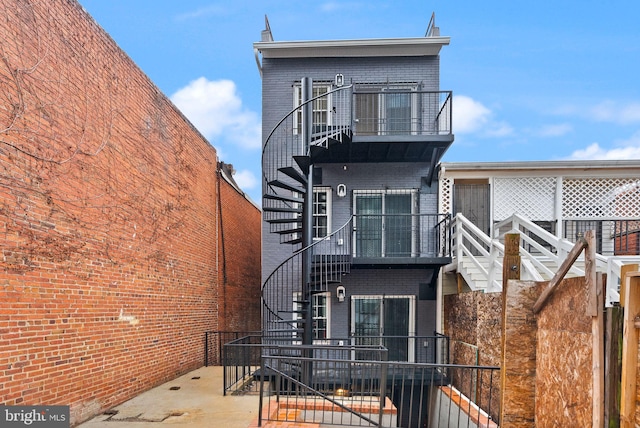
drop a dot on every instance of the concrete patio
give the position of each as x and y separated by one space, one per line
193 400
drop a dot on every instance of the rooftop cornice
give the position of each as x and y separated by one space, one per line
543 165
417 46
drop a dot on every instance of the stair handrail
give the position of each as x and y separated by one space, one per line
299 253
611 265
523 225
480 241
531 264
287 116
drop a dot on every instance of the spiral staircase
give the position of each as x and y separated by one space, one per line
287 164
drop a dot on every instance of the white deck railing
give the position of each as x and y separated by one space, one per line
478 258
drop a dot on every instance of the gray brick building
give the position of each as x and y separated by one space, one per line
351 231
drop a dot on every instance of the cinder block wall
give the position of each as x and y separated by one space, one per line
109 220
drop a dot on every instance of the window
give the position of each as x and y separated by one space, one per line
387 321
387 109
321 212
319 314
385 223
321 116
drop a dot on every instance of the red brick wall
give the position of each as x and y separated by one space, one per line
239 274
108 219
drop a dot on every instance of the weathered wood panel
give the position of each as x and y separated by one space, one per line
564 380
630 393
519 354
472 320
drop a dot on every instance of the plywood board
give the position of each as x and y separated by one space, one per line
519 354
564 379
473 321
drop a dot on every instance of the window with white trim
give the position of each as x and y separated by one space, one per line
320 113
321 212
320 314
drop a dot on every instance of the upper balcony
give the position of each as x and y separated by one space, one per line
382 123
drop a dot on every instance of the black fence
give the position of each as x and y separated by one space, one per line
214 341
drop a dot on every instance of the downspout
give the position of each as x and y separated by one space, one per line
222 248
256 52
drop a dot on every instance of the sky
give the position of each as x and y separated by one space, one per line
531 80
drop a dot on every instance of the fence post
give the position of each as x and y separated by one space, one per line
224 371
383 387
631 283
262 377
206 349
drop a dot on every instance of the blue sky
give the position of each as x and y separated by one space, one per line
536 80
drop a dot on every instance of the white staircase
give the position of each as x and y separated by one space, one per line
478 257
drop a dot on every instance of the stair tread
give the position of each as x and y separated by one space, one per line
287 186
284 220
293 173
283 198
287 231
282 209
303 162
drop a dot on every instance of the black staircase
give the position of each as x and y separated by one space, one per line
287 162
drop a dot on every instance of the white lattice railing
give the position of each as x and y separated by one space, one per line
478 258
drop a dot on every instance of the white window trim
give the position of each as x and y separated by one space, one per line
329 191
297 296
297 100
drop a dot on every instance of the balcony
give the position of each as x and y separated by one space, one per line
400 239
386 124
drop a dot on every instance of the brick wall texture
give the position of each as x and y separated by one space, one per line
110 221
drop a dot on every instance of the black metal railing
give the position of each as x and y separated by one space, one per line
383 110
214 341
626 237
377 393
330 260
401 235
241 357
243 368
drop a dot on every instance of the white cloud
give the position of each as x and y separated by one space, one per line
245 179
471 116
499 129
557 130
629 149
215 109
216 10
468 115
607 111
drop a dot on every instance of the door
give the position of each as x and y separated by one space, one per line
385 225
368 209
472 200
397 112
398 225
387 321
